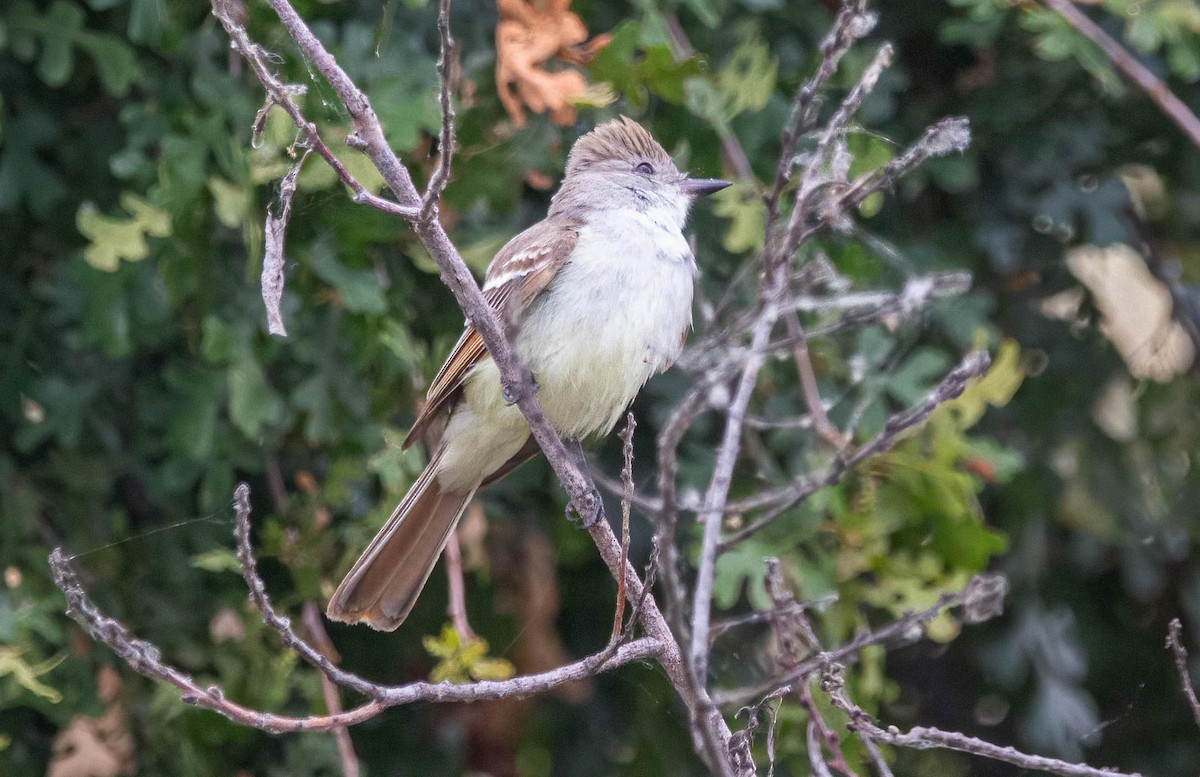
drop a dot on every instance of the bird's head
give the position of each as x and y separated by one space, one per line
619 165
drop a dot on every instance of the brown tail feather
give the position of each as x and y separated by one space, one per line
383 584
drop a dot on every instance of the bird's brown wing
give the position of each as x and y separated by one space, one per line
521 270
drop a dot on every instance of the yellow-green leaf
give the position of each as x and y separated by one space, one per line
230 201
26 675
112 239
741 204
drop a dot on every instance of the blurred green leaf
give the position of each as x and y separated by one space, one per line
253 404
113 239
217 560
16 670
743 206
358 290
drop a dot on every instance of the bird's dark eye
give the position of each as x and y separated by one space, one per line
644 168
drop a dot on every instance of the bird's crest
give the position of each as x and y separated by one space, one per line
620 138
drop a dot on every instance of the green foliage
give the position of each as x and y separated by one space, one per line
461 661
637 68
49 40
113 239
138 384
744 83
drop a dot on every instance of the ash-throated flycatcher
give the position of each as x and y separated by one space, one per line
597 298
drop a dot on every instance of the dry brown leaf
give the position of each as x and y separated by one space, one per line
226 626
1136 310
529 33
96 747
1115 410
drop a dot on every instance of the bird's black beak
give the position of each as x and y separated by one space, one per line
698 187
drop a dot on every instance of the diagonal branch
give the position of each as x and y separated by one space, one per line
972 366
851 25
1158 92
1179 653
146 659
981 599
284 96
922 737
711 515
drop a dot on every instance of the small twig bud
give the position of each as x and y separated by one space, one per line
951 134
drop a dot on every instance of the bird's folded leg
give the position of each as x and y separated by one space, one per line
591 511
510 398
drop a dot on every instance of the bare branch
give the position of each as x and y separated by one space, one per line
446 139
808 384
283 95
713 512
815 174
311 615
821 736
281 625
853 23
626 436
949 135
921 737
456 604
972 366
146 659
1174 108
982 598
1179 653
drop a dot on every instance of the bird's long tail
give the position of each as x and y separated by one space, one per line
383 584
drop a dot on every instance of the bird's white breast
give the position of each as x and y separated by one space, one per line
615 314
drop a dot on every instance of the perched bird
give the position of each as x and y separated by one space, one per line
597 297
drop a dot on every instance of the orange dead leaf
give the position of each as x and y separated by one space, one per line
306 482
529 33
980 468
538 180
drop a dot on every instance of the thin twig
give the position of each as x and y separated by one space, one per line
446 138
1179 653
815 174
146 659
972 366
852 24
456 601
711 516
821 736
808 384
1174 108
921 737
281 625
311 615
283 95
626 436
981 599
873 752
